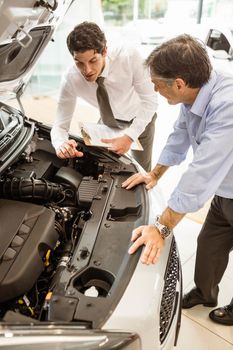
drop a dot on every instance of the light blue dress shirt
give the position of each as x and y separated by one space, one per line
207 126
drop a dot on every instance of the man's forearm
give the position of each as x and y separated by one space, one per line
171 218
158 171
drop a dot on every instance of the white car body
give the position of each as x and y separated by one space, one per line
219 42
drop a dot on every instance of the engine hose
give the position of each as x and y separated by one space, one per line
30 188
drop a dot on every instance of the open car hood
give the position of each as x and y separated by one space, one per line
26 27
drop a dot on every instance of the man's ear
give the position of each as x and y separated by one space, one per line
180 83
104 51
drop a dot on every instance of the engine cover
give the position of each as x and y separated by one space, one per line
27 232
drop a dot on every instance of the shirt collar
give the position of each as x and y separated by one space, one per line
106 68
204 96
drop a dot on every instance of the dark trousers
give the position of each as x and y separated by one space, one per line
215 242
144 158
146 139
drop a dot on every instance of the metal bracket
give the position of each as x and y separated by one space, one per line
27 37
47 5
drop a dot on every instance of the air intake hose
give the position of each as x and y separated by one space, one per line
31 189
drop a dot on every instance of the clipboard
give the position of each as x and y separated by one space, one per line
92 134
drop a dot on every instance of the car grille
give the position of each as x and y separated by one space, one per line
170 295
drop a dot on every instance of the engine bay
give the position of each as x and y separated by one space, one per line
65 231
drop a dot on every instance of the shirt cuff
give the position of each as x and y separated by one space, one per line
183 202
170 158
132 134
58 140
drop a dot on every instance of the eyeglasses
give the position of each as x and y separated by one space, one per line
167 80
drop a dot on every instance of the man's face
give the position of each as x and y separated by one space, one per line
90 63
169 90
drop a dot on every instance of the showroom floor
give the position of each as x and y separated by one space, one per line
197 331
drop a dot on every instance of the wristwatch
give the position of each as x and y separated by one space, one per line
163 230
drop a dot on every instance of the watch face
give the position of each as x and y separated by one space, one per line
164 230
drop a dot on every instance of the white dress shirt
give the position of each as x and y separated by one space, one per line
130 90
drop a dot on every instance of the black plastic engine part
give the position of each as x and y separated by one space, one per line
31 189
87 191
68 176
26 234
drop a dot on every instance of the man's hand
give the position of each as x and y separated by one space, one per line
68 150
151 238
119 145
149 179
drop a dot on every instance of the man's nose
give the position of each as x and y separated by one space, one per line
87 68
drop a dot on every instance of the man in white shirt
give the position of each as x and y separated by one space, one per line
129 88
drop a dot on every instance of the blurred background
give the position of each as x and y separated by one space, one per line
145 24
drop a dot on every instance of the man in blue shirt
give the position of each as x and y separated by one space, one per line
181 72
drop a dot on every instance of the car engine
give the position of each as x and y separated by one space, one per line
65 230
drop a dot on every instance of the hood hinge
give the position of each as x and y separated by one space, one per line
45 3
19 93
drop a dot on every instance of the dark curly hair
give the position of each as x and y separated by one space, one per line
181 57
86 36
